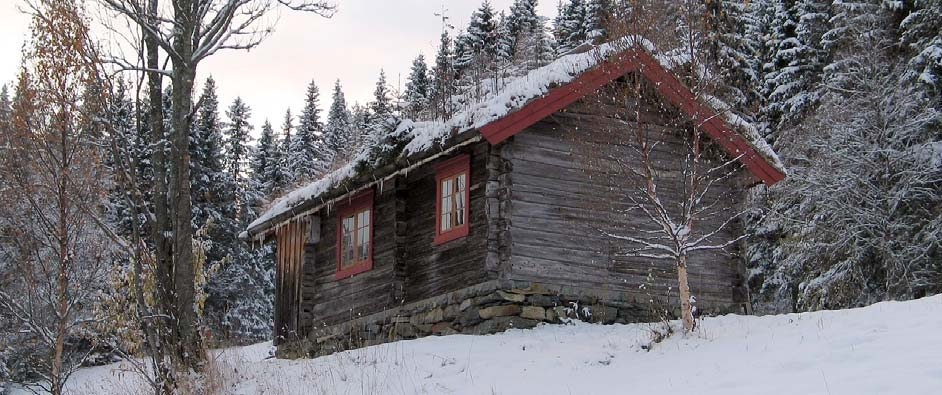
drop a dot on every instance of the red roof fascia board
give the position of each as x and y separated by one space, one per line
666 84
678 95
557 99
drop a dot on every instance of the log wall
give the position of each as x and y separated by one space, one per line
407 267
541 204
568 191
431 270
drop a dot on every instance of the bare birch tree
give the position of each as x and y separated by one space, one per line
175 37
675 185
53 255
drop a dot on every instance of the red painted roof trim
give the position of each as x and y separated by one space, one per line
666 84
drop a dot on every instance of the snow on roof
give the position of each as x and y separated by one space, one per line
748 131
421 136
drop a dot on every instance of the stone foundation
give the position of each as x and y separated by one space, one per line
490 307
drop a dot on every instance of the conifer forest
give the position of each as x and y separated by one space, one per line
127 183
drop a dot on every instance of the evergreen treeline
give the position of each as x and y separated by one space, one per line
842 85
848 92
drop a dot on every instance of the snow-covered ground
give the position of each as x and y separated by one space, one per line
887 348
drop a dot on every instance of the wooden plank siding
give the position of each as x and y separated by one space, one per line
407 266
432 270
566 192
539 203
664 84
288 274
328 300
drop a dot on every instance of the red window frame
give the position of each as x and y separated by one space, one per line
444 170
355 205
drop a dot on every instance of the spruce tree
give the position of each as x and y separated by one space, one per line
287 153
570 26
213 193
142 151
337 138
417 90
360 129
534 48
249 315
791 78
463 53
443 80
121 117
529 45
482 30
206 138
560 27
380 113
381 106
855 24
596 14
238 137
523 18
307 162
266 162
210 184
921 32
733 54
476 49
243 288
504 51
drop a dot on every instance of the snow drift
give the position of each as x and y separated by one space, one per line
887 348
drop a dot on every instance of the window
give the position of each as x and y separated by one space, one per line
451 206
355 235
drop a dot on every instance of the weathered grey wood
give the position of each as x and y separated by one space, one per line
290 257
568 190
406 265
540 205
401 233
434 269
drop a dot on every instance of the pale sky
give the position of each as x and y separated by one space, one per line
364 36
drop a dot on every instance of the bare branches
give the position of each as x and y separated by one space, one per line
215 24
323 8
679 186
52 166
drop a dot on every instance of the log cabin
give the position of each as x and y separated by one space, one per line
497 217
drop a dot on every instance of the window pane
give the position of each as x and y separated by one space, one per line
347 253
446 211
363 220
346 242
460 200
447 187
363 244
348 224
445 222
459 209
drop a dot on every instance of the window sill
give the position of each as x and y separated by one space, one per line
354 270
453 234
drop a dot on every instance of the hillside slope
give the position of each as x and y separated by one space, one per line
892 347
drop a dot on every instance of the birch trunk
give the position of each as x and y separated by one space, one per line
686 311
